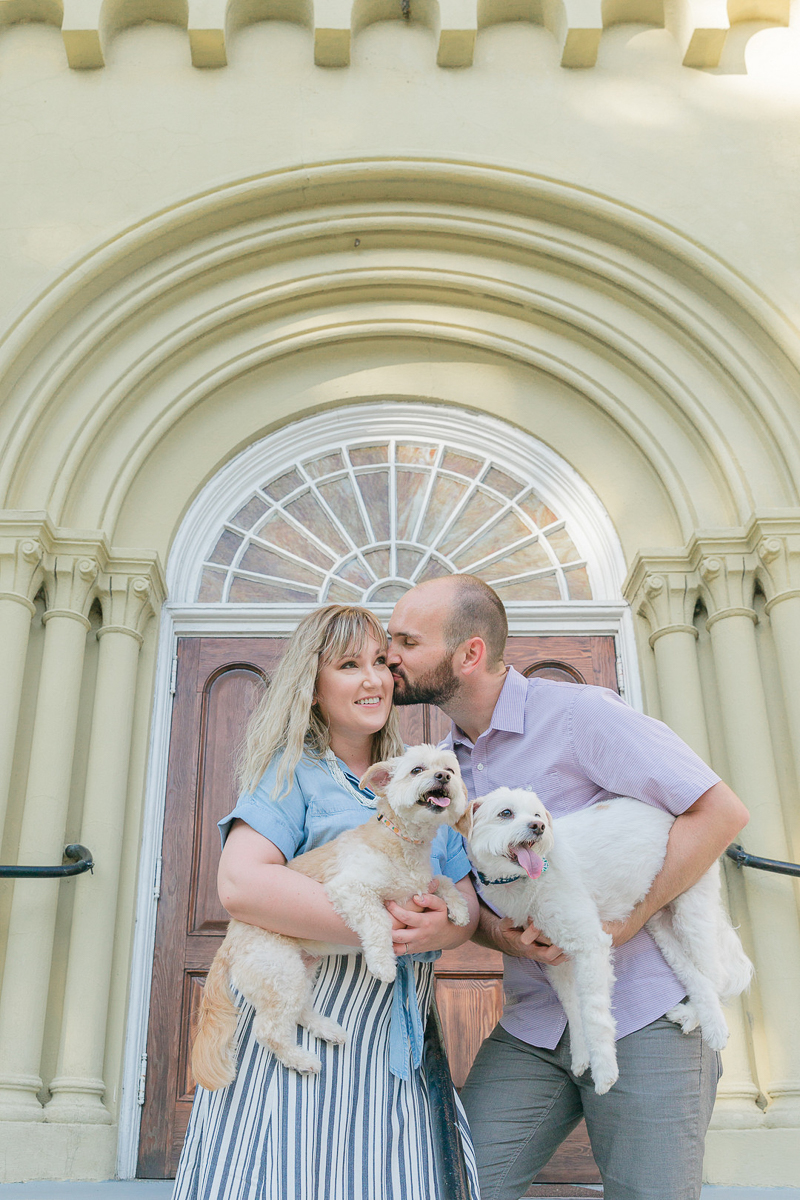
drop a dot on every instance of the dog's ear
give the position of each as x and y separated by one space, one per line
464 824
548 815
378 777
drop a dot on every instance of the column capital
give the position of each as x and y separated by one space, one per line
129 594
71 582
666 598
727 580
21 567
778 569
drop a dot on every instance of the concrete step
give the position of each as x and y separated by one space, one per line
141 1189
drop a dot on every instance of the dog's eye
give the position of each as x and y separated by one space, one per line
506 814
416 770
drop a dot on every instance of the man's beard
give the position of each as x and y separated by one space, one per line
437 687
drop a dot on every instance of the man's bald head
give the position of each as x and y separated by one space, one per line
473 610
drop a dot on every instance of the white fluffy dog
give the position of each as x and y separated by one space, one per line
387 858
569 875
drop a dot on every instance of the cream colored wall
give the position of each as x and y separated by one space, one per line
191 258
93 151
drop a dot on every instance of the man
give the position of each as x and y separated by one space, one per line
574 745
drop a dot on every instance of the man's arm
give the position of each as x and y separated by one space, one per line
697 839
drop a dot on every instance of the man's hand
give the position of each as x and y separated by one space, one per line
531 943
500 933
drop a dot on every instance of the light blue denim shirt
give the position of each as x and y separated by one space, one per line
316 809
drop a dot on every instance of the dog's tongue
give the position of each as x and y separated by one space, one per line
529 861
442 801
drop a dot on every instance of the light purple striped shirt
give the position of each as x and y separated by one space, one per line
576 744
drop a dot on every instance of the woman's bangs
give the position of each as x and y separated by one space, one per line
347 633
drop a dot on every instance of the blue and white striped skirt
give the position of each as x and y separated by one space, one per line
352 1130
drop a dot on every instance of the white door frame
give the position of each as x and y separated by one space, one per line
558 484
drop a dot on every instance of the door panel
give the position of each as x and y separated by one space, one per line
218 683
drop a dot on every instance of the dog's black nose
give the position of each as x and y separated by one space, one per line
442 776
537 827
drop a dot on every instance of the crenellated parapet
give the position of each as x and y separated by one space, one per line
699 27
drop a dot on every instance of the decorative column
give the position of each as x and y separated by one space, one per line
729 580
779 574
20 575
78 1086
33 912
667 599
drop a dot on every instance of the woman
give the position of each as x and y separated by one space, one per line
356 1129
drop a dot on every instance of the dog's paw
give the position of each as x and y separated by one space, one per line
580 1064
605 1078
458 913
327 1029
604 1081
685 1015
715 1032
605 1070
303 1061
298 1059
382 968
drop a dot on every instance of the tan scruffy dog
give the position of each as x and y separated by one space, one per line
388 858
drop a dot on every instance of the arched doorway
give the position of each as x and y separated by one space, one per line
356 505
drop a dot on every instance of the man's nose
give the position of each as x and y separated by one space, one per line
392 657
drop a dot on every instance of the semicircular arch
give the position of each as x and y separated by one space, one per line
690 369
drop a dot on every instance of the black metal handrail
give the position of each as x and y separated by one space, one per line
77 860
448 1150
743 859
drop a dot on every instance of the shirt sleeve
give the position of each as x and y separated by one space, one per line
282 821
629 754
451 860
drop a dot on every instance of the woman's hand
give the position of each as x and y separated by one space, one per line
422 923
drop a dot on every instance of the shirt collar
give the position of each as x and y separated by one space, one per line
509 711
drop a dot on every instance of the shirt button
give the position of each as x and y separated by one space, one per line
480 766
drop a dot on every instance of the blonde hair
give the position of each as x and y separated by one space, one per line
286 717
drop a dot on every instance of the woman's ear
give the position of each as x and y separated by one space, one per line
377 778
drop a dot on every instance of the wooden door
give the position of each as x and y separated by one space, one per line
217 684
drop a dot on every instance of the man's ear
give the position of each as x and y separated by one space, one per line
464 824
474 654
378 777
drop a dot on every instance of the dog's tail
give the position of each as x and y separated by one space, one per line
214 1053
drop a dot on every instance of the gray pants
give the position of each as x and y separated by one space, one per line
647 1133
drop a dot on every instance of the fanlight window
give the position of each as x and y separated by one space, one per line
367 520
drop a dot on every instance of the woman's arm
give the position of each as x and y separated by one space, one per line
255 886
426 925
